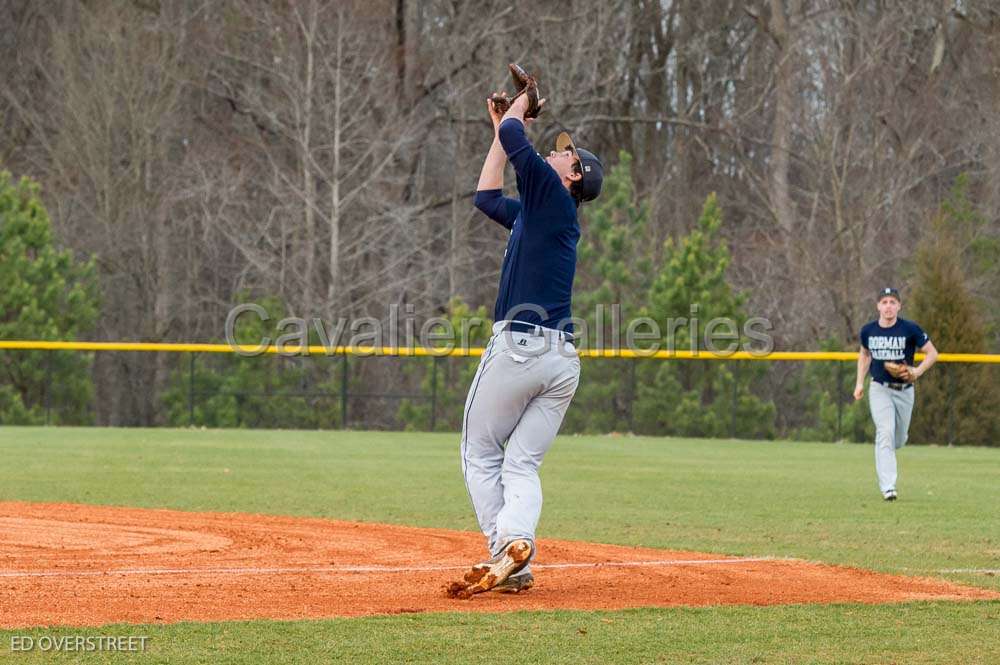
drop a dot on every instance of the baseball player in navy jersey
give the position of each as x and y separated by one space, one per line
893 340
530 369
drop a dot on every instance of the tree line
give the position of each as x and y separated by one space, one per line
323 156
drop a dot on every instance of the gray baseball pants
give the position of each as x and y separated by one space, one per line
515 406
891 411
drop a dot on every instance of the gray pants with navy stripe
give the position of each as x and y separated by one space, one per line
513 412
891 411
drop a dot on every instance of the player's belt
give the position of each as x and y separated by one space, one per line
895 386
537 331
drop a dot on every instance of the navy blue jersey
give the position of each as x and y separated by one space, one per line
536 282
897 343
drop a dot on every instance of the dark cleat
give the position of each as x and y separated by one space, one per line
516 583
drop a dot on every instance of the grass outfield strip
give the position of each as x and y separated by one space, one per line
913 633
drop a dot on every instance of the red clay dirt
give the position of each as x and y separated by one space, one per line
67 564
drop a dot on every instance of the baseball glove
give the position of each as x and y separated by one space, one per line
526 84
900 371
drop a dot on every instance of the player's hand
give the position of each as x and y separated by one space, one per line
495 115
859 392
520 105
527 121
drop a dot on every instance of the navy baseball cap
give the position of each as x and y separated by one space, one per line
590 166
889 291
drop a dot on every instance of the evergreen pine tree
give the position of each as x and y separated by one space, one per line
956 403
699 398
46 295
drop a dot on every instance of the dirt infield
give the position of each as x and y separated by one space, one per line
67 564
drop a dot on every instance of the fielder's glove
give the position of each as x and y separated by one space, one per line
900 371
526 84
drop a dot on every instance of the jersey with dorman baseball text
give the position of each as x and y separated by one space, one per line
897 343
536 281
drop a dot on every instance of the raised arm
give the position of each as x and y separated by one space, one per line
489 192
491 177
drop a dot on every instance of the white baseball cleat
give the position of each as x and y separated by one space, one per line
488 574
889 495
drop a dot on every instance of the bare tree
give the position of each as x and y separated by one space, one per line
113 81
326 152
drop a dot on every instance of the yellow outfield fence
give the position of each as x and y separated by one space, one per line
388 351
345 394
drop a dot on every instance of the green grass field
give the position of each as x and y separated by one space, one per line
814 501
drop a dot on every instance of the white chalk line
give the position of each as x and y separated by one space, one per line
953 571
364 569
